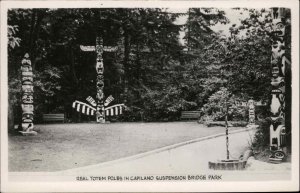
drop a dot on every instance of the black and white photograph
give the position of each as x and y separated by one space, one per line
147 96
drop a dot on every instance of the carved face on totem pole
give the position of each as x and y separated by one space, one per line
99 66
276 136
275 13
279 29
278 50
26 61
277 82
251 103
100 112
27 80
26 68
100 95
27 98
99 46
275 72
27 88
277 103
100 84
27 108
100 77
27 117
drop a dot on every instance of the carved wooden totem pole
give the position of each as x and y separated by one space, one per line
27 95
99 107
100 113
251 105
279 62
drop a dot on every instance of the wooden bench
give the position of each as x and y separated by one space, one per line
190 115
53 117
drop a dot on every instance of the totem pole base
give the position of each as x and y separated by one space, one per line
227 165
277 157
101 121
252 126
275 160
28 133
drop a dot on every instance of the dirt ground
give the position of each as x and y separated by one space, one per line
65 146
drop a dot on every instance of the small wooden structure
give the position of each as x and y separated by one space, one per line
228 165
53 117
190 115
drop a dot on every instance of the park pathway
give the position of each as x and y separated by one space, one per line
189 159
184 159
67 146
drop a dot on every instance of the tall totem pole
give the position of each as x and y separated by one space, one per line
280 64
27 96
100 103
99 106
100 112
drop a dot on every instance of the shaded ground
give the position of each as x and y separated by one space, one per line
264 153
65 146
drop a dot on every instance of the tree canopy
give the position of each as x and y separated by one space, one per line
152 71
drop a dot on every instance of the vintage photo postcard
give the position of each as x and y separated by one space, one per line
149 96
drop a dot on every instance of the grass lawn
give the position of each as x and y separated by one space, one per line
65 146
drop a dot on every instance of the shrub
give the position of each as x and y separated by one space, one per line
215 108
262 135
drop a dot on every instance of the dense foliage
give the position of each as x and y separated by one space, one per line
223 103
151 72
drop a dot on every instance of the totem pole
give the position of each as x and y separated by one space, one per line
279 62
251 106
100 114
99 107
27 96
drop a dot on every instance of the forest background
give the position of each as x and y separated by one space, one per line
153 72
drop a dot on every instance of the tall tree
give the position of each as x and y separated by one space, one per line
199 24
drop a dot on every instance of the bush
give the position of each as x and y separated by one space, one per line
215 108
166 104
262 135
130 114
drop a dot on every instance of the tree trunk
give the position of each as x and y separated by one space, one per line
72 65
125 62
35 36
138 63
33 18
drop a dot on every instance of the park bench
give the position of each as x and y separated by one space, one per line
190 115
53 117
